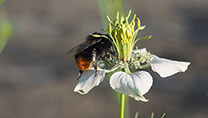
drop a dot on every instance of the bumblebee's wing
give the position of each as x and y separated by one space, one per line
79 48
72 52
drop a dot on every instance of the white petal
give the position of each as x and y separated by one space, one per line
166 67
88 81
134 85
143 50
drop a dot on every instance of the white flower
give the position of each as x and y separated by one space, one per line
137 84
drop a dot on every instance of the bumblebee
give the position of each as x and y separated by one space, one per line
96 45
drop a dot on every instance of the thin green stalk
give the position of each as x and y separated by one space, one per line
122 105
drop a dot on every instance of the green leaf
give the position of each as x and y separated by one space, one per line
2 1
5 32
152 115
109 8
136 115
147 37
163 115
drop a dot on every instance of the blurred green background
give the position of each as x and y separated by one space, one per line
5 31
37 80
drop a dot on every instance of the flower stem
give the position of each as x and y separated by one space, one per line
126 68
122 105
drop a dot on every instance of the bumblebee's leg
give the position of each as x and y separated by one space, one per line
95 67
94 61
107 56
113 54
80 74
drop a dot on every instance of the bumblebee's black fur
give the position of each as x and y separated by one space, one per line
101 45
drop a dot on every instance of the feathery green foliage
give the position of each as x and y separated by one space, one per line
2 1
5 32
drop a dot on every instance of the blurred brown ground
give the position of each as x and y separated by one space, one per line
37 80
